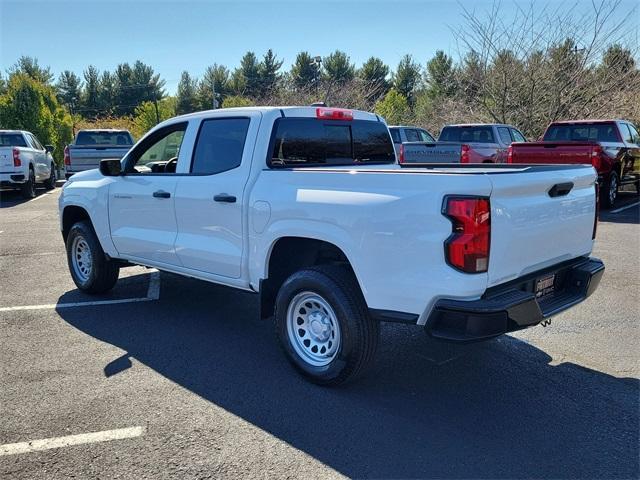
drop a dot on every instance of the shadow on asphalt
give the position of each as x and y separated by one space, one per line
491 410
629 215
12 198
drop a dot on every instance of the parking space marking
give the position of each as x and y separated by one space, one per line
69 440
39 197
625 207
153 293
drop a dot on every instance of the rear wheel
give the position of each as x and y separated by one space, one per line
50 183
610 190
91 270
28 188
324 326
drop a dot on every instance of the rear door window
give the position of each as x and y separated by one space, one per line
219 145
505 136
517 136
309 141
412 135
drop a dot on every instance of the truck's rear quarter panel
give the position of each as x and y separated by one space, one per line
388 224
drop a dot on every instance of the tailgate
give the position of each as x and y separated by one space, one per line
553 152
534 226
86 158
6 159
423 152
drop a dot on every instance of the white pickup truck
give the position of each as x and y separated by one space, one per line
25 162
308 208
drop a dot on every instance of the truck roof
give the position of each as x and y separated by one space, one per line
596 120
479 125
13 131
103 130
298 111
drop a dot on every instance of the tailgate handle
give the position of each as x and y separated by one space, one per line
560 189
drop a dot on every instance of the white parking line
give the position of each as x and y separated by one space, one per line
39 197
625 207
69 440
153 293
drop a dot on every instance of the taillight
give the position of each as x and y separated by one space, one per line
464 154
16 158
67 157
510 154
334 114
596 157
401 155
597 214
467 249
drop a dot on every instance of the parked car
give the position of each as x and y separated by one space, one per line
24 162
91 146
611 146
405 133
464 143
307 208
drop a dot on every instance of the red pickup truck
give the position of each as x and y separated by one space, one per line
611 146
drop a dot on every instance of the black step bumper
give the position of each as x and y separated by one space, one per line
514 306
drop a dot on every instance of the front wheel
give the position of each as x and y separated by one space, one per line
91 270
324 326
610 190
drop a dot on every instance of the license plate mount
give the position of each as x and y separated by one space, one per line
545 285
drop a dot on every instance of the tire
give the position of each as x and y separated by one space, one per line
28 189
50 183
90 269
324 306
609 191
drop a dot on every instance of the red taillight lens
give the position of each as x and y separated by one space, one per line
334 114
510 154
464 154
401 155
597 214
16 158
467 248
67 157
596 157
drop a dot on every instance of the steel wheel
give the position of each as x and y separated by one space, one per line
313 329
81 259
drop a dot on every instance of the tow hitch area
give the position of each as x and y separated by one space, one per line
522 303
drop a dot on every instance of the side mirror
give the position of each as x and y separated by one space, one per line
50 148
110 167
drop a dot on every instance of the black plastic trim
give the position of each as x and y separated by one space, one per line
513 305
393 316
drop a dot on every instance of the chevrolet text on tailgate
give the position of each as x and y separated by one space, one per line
307 208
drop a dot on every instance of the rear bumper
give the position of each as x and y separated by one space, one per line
11 179
514 306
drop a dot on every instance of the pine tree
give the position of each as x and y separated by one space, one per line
187 101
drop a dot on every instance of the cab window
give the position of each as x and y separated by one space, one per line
219 145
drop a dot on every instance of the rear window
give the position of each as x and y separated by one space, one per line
220 145
104 138
308 141
12 140
583 132
470 134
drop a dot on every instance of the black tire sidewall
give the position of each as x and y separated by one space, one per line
316 282
29 187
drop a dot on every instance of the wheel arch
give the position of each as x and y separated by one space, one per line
72 214
289 254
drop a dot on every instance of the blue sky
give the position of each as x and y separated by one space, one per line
173 36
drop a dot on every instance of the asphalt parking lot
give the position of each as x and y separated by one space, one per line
179 378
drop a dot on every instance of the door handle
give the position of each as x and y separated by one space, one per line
161 194
225 198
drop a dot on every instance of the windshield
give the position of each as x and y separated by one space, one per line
104 138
